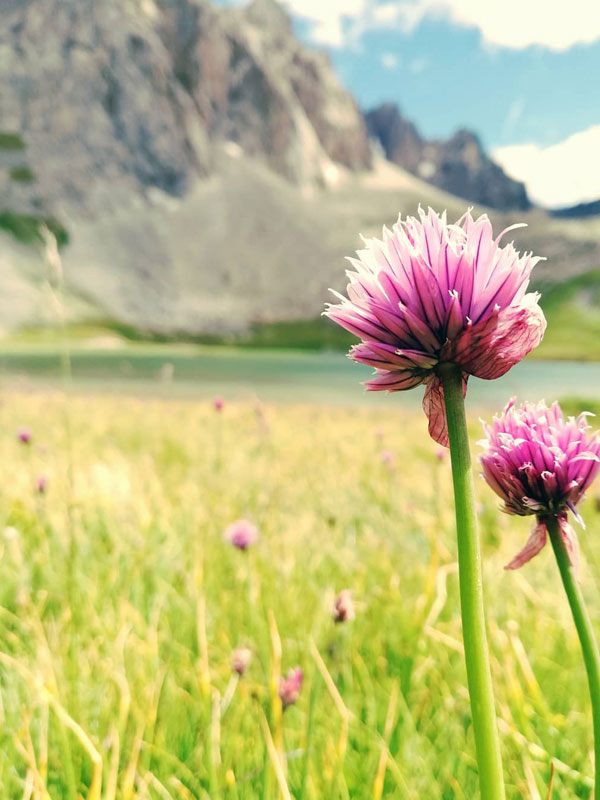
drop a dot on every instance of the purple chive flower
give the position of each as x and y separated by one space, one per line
539 463
218 403
430 292
343 607
240 660
289 688
24 435
241 534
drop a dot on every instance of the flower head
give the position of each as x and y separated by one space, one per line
343 607
240 660
41 484
24 435
241 534
429 293
218 403
289 688
539 463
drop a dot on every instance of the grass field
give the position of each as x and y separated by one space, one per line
120 605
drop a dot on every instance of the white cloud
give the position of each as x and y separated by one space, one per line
390 60
329 18
508 23
560 175
519 23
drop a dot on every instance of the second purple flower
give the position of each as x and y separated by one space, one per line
540 463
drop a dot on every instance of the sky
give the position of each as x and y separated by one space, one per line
523 74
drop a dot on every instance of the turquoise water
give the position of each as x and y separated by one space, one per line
276 376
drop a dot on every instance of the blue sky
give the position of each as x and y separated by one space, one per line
523 74
445 77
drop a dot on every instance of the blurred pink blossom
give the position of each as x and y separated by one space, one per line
343 607
241 534
388 458
289 688
441 453
24 435
240 660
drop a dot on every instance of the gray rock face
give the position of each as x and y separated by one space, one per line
459 165
254 85
113 98
89 87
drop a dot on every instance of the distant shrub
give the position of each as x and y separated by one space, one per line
26 227
11 141
306 334
22 175
572 406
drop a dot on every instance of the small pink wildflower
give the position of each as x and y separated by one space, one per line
289 688
41 484
218 403
343 607
540 464
241 534
24 435
429 293
389 459
240 660
441 453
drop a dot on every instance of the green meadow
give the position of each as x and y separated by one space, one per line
120 605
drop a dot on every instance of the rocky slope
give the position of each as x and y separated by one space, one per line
458 165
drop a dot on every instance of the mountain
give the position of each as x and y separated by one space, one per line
458 165
581 210
203 170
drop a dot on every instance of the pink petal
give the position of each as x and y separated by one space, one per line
518 331
537 539
393 381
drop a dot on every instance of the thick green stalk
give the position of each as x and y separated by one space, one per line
585 631
479 677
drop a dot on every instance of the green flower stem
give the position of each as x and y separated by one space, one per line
479 677
587 638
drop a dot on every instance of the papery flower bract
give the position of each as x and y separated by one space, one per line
241 534
240 660
289 688
343 607
429 293
539 463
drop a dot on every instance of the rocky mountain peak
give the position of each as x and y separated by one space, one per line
458 165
